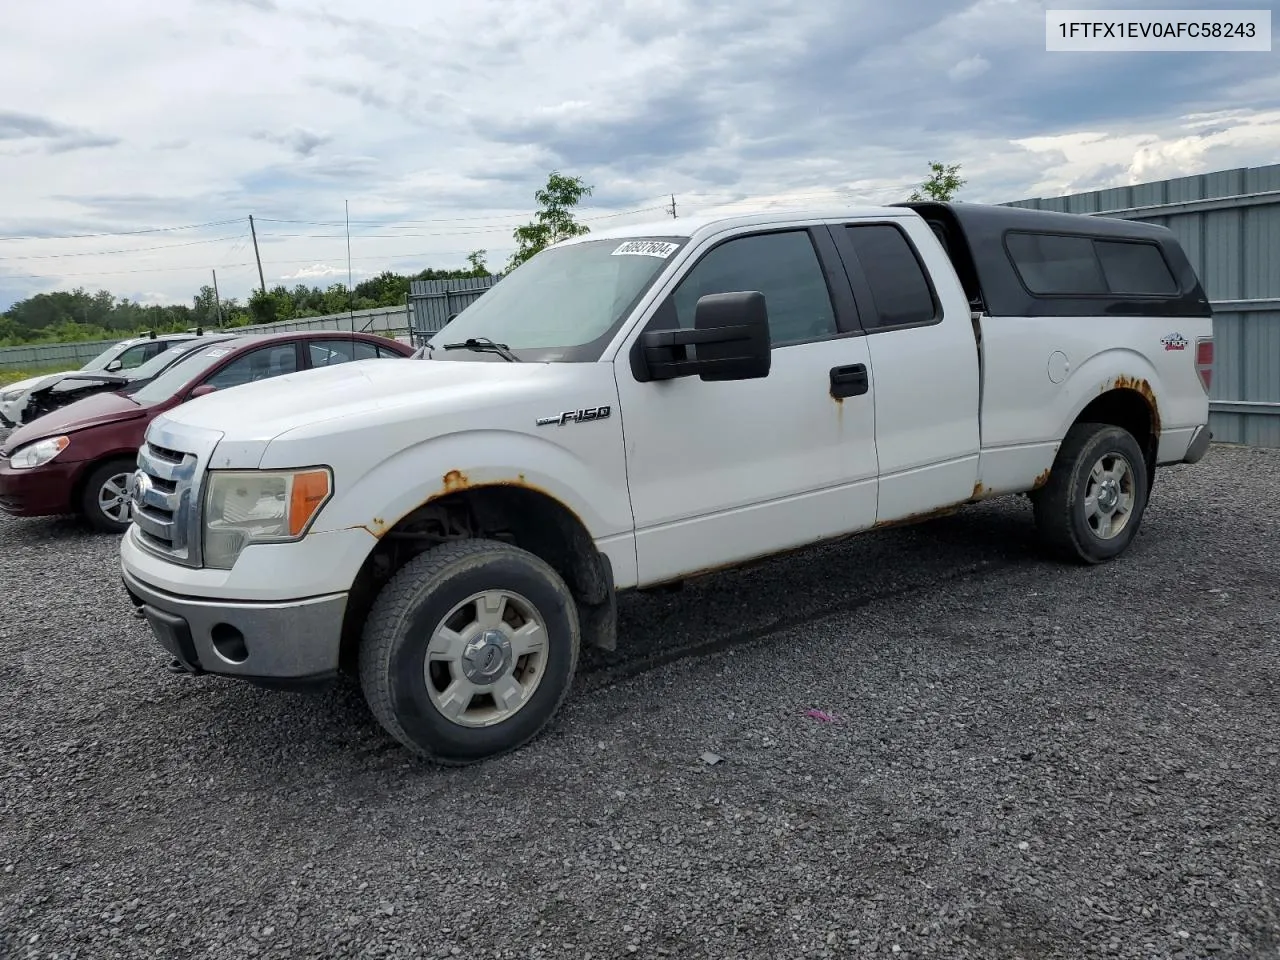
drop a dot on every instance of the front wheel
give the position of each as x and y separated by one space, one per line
105 499
469 651
1093 504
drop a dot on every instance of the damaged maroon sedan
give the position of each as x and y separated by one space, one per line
79 458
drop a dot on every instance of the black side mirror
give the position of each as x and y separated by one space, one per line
730 337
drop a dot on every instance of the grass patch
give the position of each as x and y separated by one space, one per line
13 375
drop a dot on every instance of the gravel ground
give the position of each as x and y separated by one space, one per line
1024 760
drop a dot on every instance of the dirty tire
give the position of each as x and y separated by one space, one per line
404 617
1060 505
89 506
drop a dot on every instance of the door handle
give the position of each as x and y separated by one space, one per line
850 381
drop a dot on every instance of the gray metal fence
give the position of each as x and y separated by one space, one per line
70 356
433 302
1229 224
377 320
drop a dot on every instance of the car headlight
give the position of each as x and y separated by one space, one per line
259 506
39 453
11 395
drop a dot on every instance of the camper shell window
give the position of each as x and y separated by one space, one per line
1022 262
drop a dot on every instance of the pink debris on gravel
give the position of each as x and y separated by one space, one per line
821 715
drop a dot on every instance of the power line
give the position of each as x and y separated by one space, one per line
223 266
241 238
282 236
128 233
388 223
443 233
106 253
116 273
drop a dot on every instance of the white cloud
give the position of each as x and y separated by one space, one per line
969 68
320 270
437 122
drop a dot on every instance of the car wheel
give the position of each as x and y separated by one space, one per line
469 650
1093 504
105 500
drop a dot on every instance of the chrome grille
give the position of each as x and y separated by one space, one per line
166 490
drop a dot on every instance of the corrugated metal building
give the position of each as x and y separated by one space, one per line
1229 224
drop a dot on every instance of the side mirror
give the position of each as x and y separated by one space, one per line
203 390
730 337
113 366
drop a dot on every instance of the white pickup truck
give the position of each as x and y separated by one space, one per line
635 407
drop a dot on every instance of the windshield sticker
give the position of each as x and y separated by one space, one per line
646 248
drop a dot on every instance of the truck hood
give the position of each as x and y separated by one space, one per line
256 413
89 412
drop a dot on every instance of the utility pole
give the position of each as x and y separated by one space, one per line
673 206
346 207
217 300
257 256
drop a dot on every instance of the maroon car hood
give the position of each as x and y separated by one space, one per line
89 412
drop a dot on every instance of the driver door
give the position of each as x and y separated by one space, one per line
722 472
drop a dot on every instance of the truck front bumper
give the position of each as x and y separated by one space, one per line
291 642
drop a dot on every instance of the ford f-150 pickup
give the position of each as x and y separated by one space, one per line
635 407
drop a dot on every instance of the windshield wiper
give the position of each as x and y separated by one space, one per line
485 345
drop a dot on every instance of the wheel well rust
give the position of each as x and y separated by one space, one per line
513 511
1128 402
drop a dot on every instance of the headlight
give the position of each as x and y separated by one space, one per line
39 453
256 506
11 396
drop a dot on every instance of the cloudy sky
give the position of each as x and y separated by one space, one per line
159 127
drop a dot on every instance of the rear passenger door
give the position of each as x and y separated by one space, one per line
922 347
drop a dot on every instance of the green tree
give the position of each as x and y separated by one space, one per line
476 261
554 220
942 184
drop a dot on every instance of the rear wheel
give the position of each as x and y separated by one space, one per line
1093 504
105 499
469 651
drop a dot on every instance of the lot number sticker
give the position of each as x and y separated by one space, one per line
646 248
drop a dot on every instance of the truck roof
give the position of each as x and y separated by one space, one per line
689 227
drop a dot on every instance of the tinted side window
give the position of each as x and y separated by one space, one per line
783 266
1056 265
325 353
1135 268
261 364
386 353
898 285
134 357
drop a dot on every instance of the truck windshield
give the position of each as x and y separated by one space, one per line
563 304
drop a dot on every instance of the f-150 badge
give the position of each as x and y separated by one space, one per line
586 415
